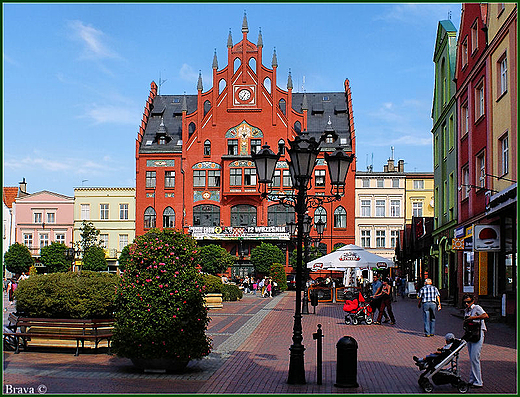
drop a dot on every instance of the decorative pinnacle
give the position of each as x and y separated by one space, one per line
305 105
184 105
260 41
229 39
275 60
215 63
199 83
289 81
245 28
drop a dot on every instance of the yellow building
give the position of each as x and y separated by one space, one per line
112 211
419 201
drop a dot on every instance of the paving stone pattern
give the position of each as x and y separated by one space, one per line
251 340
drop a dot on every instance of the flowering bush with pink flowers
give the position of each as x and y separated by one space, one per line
160 300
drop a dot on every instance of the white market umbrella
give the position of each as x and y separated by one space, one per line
349 256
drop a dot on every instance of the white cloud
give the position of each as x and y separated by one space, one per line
92 39
416 13
188 74
101 114
10 60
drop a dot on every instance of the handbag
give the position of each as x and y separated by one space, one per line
472 331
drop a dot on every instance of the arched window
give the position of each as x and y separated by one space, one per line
149 218
281 105
236 64
206 215
297 127
191 129
320 213
252 64
221 86
340 217
168 217
281 146
267 84
279 215
243 215
207 107
207 147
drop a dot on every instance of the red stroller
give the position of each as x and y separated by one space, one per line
357 310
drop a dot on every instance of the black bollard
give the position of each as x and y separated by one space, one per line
314 300
346 371
305 301
318 335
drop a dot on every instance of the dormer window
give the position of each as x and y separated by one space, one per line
161 140
207 148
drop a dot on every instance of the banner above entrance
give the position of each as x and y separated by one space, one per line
239 233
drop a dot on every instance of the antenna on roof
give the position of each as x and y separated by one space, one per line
392 149
370 167
303 84
161 82
449 15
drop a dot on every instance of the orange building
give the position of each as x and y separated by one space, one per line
194 170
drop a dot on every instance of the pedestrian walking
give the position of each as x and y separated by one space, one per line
245 285
10 290
475 314
375 303
255 286
261 287
385 292
269 288
430 299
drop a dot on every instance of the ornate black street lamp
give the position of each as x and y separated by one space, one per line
303 153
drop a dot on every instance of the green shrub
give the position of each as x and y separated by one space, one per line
212 283
94 259
53 258
231 292
67 295
160 300
277 273
214 259
18 259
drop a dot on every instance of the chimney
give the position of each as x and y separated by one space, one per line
391 165
400 166
22 189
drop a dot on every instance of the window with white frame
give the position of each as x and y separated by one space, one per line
474 37
417 208
232 147
213 178
28 240
380 182
451 133
444 141
51 217
250 176
150 179
320 213
287 181
103 240
199 178
395 208
418 184
44 240
465 118
319 178
481 169
394 235
465 181
38 217
276 178
256 145
85 211
123 241
169 179
60 238
103 211
123 211
235 177
365 208
464 52
366 182
380 207
365 238
479 100
340 217
504 154
503 75
380 238
395 182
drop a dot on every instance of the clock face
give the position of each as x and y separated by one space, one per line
244 95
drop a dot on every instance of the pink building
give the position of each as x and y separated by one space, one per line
42 218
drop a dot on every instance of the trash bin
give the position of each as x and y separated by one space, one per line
346 366
314 298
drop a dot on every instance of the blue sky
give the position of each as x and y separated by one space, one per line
76 76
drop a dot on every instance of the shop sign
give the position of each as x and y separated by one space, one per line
239 233
487 237
457 243
468 244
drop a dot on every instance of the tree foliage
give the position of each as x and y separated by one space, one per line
263 256
18 259
277 273
124 258
214 259
94 259
53 258
89 237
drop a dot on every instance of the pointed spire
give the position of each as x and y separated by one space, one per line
215 63
184 104
305 104
260 41
245 28
199 83
162 128
289 81
275 61
229 39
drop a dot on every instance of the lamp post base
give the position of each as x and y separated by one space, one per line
296 365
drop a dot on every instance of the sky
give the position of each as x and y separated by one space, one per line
76 76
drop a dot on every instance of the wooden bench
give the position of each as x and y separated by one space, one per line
22 329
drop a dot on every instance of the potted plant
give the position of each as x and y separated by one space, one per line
161 319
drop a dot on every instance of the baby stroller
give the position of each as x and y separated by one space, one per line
357 310
433 364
